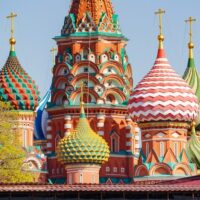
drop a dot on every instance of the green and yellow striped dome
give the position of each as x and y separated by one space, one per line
193 148
83 145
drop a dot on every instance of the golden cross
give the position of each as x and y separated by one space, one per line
160 12
190 20
53 51
12 18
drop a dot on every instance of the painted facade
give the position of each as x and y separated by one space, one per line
164 106
18 88
91 49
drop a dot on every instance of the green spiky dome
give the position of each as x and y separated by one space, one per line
83 145
16 86
193 148
192 77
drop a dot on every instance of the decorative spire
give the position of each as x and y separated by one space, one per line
12 39
94 7
160 13
190 20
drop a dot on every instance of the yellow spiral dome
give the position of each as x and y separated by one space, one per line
83 145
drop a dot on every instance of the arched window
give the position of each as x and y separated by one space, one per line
107 169
57 139
176 149
78 58
110 99
162 149
147 149
93 178
115 142
70 179
92 58
104 58
81 178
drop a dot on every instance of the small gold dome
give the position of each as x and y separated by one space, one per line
83 145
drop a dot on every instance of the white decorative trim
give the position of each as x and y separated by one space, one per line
160 135
176 135
49 121
68 117
128 144
100 133
128 127
165 139
101 117
49 136
67 133
137 137
67 126
137 146
49 145
100 125
129 135
49 128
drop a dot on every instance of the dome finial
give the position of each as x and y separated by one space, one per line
190 20
160 12
12 39
82 112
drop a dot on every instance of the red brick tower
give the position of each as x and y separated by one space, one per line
91 49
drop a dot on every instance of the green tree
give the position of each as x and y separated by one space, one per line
12 155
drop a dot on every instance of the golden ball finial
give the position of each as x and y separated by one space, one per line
12 41
193 124
161 38
190 45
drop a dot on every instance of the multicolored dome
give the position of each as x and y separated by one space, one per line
162 94
191 75
83 145
193 148
16 86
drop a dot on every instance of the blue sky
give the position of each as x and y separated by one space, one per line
39 21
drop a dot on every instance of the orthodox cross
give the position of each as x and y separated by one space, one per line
190 20
160 12
12 18
53 51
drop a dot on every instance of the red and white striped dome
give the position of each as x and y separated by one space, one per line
163 95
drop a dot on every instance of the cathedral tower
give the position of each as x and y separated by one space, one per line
91 49
18 88
164 107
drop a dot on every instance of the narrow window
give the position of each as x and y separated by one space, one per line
147 149
81 178
70 179
24 138
176 149
162 149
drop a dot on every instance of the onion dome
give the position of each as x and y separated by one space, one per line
193 147
16 86
83 145
40 127
163 95
191 74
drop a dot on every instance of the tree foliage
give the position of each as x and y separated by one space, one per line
12 155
